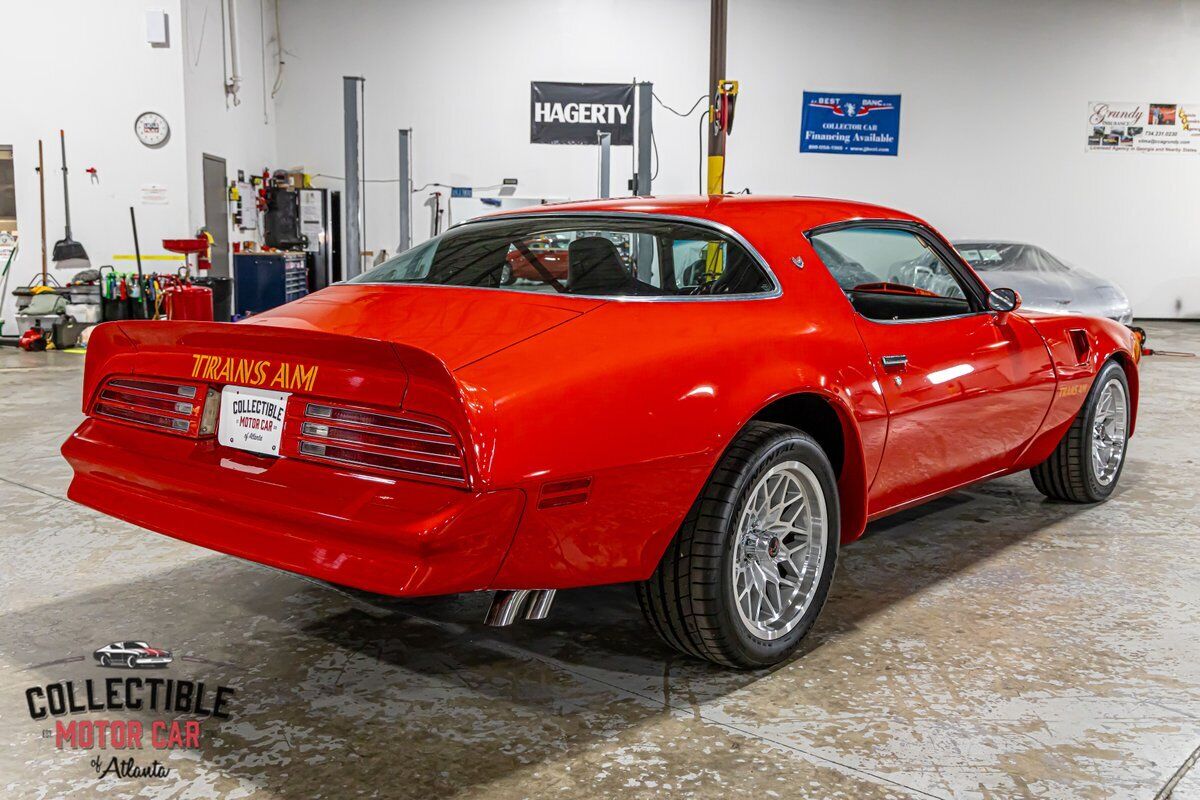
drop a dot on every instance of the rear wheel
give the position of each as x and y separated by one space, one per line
746 575
105 661
1087 463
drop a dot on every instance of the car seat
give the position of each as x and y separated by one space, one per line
594 267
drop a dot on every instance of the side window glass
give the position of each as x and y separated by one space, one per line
891 274
694 260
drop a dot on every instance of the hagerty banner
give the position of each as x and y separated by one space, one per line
854 124
573 113
1144 127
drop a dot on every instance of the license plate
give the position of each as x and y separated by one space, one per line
252 419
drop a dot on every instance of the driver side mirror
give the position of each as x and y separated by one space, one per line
1003 301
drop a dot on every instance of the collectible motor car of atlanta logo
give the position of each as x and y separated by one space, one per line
184 708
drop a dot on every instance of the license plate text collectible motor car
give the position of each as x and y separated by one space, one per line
706 397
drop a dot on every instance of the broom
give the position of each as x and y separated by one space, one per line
68 253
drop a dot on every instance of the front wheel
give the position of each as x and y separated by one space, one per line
747 573
1086 464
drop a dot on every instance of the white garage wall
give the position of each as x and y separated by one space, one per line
85 67
243 133
993 122
458 73
994 119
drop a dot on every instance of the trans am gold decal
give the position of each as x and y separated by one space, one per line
1071 391
253 372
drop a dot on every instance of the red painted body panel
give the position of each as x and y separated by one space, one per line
641 398
973 394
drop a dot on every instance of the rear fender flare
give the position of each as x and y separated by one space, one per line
794 408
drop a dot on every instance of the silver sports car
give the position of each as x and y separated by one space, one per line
1045 283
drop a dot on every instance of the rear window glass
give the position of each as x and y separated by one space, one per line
623 257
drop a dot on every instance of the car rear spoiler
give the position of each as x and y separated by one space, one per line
333 366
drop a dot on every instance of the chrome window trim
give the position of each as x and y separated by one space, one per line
725 230
955 262
922 320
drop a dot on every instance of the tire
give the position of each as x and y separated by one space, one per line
507 278
131 662
105 661
1071 473
692 599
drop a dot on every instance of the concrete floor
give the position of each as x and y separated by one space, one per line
989 645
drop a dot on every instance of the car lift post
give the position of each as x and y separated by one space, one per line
405 181
604 139
645 132
350 94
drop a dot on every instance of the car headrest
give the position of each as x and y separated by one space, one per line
594 265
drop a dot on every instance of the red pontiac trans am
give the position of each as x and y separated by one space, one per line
716 395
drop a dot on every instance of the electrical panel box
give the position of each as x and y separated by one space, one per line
157 32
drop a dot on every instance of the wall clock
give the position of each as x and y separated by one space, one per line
152 129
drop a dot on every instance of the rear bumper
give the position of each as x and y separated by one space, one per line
381 535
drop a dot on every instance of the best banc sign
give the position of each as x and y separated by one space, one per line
573 113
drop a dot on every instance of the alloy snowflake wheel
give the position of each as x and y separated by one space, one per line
1109 423
779 550
745 577
1087 462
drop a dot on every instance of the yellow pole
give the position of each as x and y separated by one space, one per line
717 29
716 174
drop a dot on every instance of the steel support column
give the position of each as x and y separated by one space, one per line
405 241
645 134
718 28
353 248
605 142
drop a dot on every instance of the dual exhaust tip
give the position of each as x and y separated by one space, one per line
511 605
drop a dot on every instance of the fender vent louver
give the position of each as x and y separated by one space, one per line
1079 340
387 443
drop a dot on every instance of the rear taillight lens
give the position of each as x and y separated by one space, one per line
159 404
389 443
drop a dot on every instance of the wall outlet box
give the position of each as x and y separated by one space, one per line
156 28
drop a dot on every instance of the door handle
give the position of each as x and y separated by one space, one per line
895 362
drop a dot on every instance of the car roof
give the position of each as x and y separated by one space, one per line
737 211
